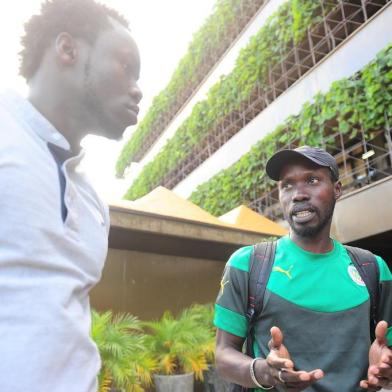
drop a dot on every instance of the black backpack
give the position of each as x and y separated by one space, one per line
261 262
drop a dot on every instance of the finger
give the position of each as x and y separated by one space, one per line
386 357
374 386
292 376
365 385
383 370
381 331
277 362
373 381
276 337
316 374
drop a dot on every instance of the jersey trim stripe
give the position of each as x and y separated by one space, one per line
230 321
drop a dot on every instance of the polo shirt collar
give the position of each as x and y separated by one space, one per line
31 117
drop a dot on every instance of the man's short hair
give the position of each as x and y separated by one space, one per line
80 18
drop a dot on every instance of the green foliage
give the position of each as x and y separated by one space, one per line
205 43
125 362
272 42
203 315
180 344
351 105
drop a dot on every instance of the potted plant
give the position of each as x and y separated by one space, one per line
178 345
126 365
204 314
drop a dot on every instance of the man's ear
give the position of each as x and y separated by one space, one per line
338 189
66 49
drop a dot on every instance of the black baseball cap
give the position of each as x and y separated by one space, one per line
314 154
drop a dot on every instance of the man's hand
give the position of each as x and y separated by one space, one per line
380 361
279 368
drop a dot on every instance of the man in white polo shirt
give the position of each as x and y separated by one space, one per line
82 67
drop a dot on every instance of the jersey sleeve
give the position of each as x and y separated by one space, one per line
385 300
232 301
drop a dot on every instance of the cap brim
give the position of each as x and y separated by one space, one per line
281 158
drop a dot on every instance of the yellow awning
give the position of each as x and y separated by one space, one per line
162 201
247 219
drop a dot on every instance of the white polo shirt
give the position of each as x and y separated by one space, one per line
47 266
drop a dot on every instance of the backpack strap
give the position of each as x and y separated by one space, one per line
262 259
367 266
260 267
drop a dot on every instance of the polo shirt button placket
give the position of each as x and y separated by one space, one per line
73 219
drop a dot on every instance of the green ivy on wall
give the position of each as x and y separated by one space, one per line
289 23
351 106
204 45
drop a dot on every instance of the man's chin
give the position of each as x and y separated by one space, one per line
304 230
115 131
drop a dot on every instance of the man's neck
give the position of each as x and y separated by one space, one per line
320 243
61 113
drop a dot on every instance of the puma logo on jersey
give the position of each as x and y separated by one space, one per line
283 271
223 284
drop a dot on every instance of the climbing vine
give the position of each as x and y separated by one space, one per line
207 45
277 36
353 105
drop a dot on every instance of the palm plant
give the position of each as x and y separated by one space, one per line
178 344
204 316
125 362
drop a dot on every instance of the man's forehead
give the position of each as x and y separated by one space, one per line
116 34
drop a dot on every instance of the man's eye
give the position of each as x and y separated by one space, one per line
286 185
313 180
126 66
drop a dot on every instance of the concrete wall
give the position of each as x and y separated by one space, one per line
364 213
146 284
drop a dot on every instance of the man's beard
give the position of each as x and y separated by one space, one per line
94 106
309 231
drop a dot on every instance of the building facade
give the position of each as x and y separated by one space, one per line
314 72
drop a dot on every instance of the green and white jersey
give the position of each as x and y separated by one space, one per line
320 303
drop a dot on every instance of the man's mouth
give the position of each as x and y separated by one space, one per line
133 108
303 216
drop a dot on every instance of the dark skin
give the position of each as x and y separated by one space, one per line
84 88
308 190
307 195
380 361
234 366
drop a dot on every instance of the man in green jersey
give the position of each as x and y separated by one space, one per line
313 331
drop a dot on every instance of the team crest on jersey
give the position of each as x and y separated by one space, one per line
354 275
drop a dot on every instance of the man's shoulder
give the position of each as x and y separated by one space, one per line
240 259
385 273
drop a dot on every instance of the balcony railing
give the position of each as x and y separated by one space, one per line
336 26
210 57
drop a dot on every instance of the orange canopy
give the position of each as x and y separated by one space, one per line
247 219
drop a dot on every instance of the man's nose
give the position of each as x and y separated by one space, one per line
135 92
300 194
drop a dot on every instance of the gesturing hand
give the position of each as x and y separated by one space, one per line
281 368
380 361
